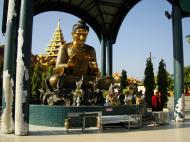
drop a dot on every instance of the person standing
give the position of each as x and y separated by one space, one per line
160 104
155 102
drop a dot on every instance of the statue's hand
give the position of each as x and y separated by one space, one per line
93 68
59 70
93 65
70 65
72 62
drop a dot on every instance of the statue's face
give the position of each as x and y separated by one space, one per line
79 37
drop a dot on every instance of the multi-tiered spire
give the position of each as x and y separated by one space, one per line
52 51
56 42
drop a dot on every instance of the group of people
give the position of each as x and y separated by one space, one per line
157 101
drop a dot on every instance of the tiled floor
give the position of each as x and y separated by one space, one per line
172 132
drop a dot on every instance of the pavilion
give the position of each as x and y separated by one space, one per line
104 16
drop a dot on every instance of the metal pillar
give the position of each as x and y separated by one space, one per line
103 57
178 63
109 57
7 124
22 71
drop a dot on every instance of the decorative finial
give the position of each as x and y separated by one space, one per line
58 24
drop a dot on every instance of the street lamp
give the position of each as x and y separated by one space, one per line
188 38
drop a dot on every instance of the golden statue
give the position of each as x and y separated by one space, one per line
76 60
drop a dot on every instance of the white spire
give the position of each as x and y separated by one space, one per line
58 24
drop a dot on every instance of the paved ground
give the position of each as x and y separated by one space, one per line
172 132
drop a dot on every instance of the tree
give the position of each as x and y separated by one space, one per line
50 71
170 83
36 81
46 74
187 78
188 38
123 80
149 82
163 82
1 78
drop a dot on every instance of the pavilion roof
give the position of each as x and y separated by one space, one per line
104 16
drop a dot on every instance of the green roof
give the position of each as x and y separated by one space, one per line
104 16
185 5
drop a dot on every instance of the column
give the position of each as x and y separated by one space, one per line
7 124
109 57
103 57
4 18
22 70
178 63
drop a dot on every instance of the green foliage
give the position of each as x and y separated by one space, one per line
188 39
38 77
46 74
127 90
36 81
187 78
1 75
170 82
43 85
162 82
134 88
49 71
123 80
104 93
149 82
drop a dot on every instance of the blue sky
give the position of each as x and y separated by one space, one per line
145 29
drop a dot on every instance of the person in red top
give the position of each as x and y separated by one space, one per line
155 102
